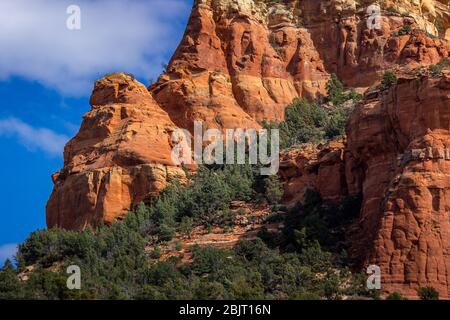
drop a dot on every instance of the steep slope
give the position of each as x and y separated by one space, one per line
398 156
242 58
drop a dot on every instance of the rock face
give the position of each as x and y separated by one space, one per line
321 168
120 157
242 62
398 157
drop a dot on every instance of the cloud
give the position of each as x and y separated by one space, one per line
34 138
7 251
116 35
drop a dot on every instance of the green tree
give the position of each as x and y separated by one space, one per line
395 296
274 190
428 293
335 90
186 225
389 79
10 286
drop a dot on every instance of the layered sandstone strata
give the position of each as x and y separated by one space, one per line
120 157
242 62
397 156
320 168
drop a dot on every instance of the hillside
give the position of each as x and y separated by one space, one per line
364 120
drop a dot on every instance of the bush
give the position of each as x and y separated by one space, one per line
395 296
404 30
114 266
186 225
389 79
428 293
310 122
335 90
318 220
336 94
10 286
156 253
436 69
115 260
274 190
304 122
204 200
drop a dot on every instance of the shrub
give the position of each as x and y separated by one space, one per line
274 190
178 245
389 79
304 122
10 286
318 220
115 262
404 30
335 90
428 293
395 296
310 122
156 253
186 225
166 232
250 271
207 197
436 69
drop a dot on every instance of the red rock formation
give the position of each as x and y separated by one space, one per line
314 167
243 61
398 156
120 157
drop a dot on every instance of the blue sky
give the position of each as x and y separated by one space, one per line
46 77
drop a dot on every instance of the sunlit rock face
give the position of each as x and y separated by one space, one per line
241 62
396 155
120 157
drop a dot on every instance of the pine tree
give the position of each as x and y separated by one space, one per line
274 190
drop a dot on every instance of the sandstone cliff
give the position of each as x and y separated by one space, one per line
397 156
243 61
120 157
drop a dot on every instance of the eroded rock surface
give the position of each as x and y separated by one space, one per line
243 61
397 156
120 157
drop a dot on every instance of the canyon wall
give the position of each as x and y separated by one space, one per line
241 62
398 157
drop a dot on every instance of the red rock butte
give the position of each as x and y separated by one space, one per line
241 62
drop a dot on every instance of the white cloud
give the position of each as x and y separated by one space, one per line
115 35
34 138
7 251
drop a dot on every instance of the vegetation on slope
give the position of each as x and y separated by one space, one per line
307 121
306 261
